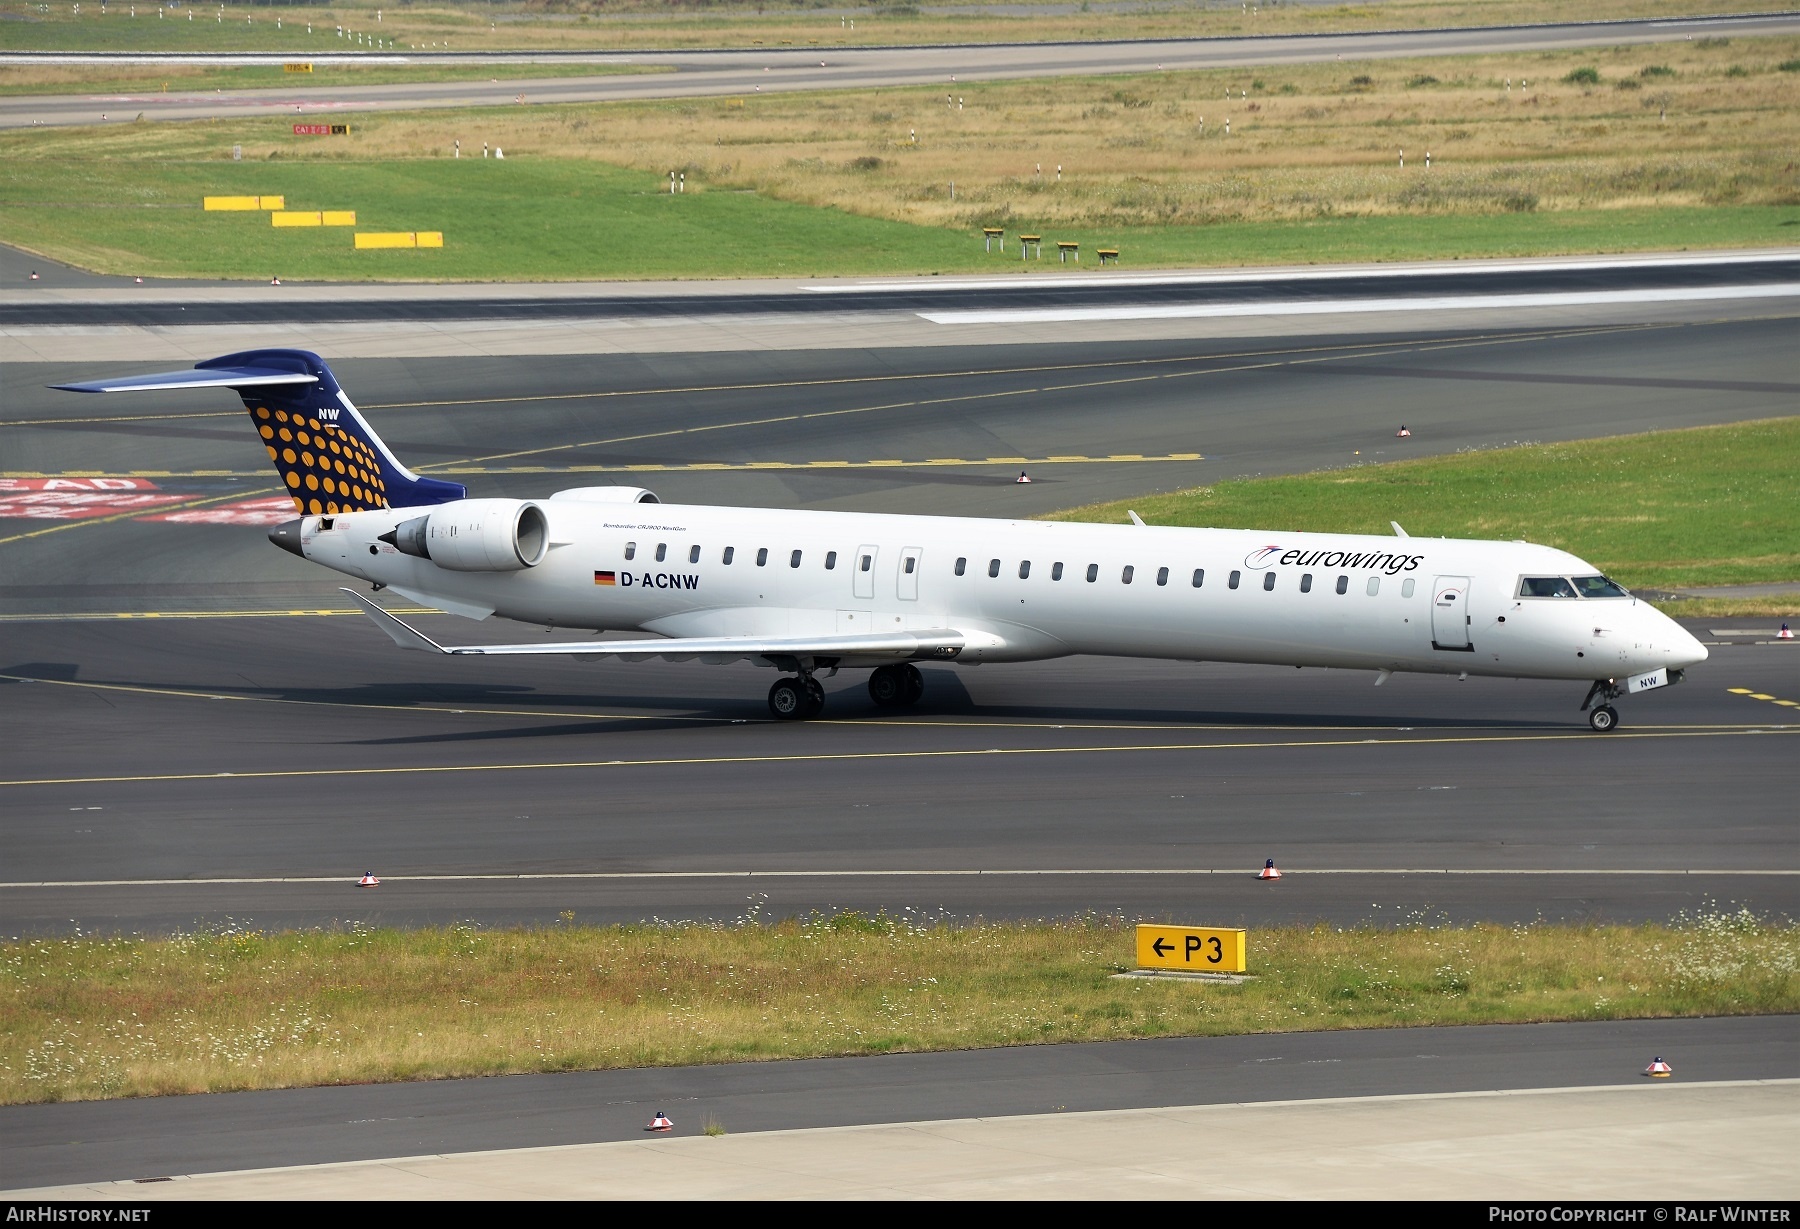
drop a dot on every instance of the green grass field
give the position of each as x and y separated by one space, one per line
1668 509
566 219
97 1017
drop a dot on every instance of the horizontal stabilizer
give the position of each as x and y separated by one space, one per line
214 377
898 646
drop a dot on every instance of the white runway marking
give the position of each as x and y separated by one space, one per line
1332 307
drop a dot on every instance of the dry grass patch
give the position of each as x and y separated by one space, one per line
1305 141
96 1017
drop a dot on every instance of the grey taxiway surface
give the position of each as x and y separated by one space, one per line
47 1145
769 70
192 745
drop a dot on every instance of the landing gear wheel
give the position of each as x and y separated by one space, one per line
789 700
915 684
1604 719
887 687
815 697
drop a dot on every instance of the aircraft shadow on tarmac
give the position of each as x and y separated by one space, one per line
945 696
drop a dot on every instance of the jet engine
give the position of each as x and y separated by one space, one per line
476 535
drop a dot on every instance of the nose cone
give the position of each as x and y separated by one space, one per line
1674 643
1687 651
287 536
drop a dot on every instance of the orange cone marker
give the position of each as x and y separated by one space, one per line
1269 871
1023 477
1786 633
1659 1069
660 1123
368 880
1403 433
274 281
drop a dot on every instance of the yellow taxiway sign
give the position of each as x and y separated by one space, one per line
1193 949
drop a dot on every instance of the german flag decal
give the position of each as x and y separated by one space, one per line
605 578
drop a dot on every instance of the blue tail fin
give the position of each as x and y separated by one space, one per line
330 459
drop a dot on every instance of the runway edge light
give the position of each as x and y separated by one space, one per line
660 1123
1659 1069
1269 870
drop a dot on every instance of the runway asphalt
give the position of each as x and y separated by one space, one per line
157 306
768 70
191 722
47 1145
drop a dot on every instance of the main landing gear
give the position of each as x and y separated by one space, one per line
1604 718
797 699
801 698
896 686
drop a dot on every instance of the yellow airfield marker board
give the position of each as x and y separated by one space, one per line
1191 949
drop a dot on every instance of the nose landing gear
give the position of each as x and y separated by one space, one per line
1604 718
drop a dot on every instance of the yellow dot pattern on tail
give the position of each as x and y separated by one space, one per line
326 469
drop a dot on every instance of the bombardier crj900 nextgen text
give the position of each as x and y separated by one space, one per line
811 591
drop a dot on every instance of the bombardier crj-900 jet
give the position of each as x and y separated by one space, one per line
806 592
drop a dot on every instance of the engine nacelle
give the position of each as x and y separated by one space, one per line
608 495
476 535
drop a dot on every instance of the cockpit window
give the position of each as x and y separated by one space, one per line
1546 586
1598 586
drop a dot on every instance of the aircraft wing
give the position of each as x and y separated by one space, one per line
899 646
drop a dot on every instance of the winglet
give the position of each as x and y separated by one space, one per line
400 633
1399 532
1135 519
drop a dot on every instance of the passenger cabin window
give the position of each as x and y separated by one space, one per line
1093 572
1199 577
693 554
1056 571
631 550
831 561
794 560
730 553
1162 576
1407 586
662 551
912 561
1598 586
1306 583
993 567
1546 586
1374 585
1268 582
1343 584
1125 576
762 556
962 565
1025 569
1232 583
868 561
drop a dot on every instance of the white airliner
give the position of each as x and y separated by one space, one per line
811 591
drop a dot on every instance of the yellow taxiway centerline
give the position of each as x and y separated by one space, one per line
867 756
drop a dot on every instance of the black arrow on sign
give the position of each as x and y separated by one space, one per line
1157 947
